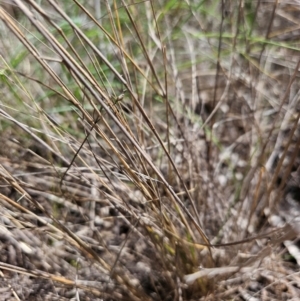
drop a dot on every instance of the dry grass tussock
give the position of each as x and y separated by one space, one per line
149 150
